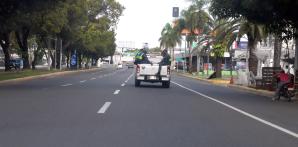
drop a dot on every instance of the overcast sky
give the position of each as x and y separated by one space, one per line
143 20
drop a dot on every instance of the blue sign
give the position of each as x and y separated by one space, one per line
73 61
243 45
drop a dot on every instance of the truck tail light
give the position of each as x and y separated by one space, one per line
138 68
169 70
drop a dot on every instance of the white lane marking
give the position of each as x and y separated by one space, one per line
104 108
93 79
291 133
83 81
129 77
123 84
65 85
116 92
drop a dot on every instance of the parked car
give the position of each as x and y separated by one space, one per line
130 64
119 66
17 64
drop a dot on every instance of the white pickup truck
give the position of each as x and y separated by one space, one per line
148 73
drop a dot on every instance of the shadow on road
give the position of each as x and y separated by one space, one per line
148 85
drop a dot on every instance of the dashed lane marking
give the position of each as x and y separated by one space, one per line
65 85
116 92
104 108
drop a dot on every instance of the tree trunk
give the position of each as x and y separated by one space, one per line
52 55
22 39
172 59
218 67
68 54
198 63
5 44
95 62
80 59
190 57
296 53
277 51
34 62
253 60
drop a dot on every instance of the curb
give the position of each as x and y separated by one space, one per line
237 87
252 90
219 83
59 73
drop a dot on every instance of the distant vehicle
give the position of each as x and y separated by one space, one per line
130 64
119 66
17 64
148 73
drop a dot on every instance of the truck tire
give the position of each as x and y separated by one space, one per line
137 83
166 84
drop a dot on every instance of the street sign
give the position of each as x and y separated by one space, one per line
175 11
73 60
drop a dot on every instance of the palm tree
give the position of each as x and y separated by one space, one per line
169 39
255 33
221 36
196 21
227 31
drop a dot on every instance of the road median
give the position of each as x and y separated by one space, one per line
10 77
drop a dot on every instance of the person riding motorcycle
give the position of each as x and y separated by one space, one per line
283 79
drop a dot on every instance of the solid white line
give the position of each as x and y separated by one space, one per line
93 79
66 85
83 81
243 112
104 108
123 84
116 92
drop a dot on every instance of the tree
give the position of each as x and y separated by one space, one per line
30 14
77 22
196 20
279 16
275 14
169 39
7 26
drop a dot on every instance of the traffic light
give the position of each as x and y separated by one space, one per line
175 11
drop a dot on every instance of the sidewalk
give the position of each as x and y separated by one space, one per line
226 83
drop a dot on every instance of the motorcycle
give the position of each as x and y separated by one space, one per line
286 93
287 90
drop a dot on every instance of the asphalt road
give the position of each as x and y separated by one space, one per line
103 109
